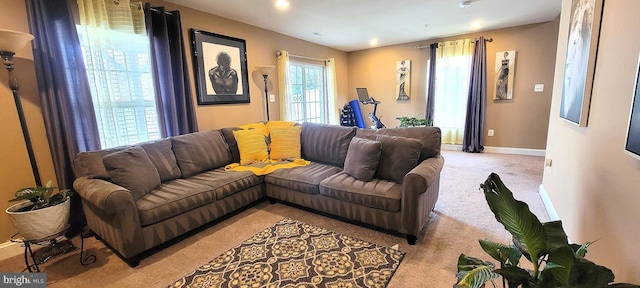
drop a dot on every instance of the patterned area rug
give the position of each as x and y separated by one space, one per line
294 254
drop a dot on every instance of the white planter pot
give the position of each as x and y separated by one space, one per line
40 223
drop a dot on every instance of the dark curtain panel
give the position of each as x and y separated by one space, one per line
473 139
65 96
431 93
174 97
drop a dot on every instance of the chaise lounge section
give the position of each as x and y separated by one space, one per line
138 197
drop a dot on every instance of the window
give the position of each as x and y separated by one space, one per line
119 69
453 67
307 99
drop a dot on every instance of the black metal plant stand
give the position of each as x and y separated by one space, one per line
52 246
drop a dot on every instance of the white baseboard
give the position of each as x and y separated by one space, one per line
553 215
501 150
9 249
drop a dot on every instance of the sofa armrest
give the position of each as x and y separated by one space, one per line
424 175
420 188
110 198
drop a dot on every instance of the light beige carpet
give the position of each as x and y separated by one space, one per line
460 218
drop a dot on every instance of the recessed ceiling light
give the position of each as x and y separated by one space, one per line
373 42
464 3
475 25
282 3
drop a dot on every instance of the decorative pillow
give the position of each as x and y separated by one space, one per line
362 158
326 143
163 158
285 142
200 151
399 155
132 169
258 125
251 145
89 163
274 123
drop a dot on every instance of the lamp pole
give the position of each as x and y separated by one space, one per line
7 59
266 94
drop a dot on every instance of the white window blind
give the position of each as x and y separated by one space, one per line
119 69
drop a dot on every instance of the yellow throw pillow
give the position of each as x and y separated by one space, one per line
258 125
251 145
285 142
276 123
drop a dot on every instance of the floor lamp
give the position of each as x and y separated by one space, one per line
11 41
265 71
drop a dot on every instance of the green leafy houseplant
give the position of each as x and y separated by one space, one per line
556 263
413 122
41 196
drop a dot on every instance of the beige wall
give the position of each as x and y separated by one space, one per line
593 184
518 123
15 171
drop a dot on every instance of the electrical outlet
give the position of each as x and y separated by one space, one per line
538 88
272 98
490 132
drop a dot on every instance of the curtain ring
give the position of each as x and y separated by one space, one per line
116 2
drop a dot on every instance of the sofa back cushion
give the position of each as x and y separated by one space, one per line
90 163
429 137
399 155
132 169
325 143
227 133
200 151
163 159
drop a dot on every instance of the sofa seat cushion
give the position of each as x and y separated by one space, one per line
378 193
173 198
304 179
226 183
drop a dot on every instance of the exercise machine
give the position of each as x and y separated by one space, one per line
363 96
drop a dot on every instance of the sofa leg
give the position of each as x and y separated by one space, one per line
133 261
411 239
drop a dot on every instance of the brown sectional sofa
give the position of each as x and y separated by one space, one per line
177 184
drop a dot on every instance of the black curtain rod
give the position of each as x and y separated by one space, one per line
486 39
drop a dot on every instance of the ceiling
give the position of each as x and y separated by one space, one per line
350 25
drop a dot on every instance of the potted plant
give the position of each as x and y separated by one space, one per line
413 122
555 262
45 213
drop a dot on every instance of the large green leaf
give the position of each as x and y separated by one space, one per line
516 218
516 276
478 276
556 237
559 264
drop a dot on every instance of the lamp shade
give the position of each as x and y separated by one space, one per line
265 70
12 41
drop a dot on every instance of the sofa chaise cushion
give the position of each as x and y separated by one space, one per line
199 152
303 179
132 169
378 193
